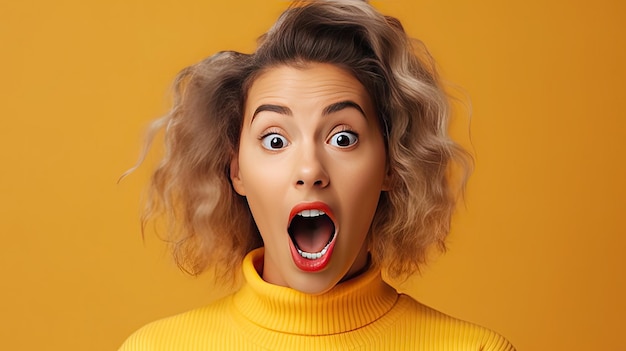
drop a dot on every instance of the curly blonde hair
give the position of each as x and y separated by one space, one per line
210 226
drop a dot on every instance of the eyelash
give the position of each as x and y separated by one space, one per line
269 132
345 128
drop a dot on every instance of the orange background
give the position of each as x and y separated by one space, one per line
536 253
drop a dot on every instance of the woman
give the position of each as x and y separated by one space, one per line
317 161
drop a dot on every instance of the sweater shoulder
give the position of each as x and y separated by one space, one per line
433 329
176 331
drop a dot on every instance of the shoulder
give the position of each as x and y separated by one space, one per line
180 330
441 331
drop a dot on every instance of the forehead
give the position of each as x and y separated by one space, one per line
313 82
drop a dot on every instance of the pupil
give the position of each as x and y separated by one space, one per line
276 142
343 140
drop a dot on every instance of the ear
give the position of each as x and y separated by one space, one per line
235 177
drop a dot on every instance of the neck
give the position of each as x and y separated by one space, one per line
350 305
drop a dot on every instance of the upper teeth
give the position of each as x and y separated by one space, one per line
311 213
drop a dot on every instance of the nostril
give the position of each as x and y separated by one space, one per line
318 182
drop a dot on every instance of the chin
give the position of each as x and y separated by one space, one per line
314 283
315 289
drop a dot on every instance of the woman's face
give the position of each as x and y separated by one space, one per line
311 164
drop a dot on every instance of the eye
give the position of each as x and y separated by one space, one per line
274 141
344 139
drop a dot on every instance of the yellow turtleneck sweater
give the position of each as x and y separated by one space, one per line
363 313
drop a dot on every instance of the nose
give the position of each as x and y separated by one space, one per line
310 170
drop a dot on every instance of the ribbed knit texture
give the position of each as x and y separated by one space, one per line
363 313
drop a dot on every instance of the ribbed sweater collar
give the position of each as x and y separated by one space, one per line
348 306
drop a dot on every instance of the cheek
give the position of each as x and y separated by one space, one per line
262 175
362 194
361 185
265 186
368 173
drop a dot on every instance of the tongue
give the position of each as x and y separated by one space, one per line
311 234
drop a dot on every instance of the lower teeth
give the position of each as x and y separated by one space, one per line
314 256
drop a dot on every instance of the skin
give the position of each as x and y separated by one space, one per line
335 157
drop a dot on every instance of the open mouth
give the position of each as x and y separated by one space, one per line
312 231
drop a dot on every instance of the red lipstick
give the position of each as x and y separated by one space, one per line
312 262
318 205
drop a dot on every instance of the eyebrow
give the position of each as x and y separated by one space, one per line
332 108
283 110
338 106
